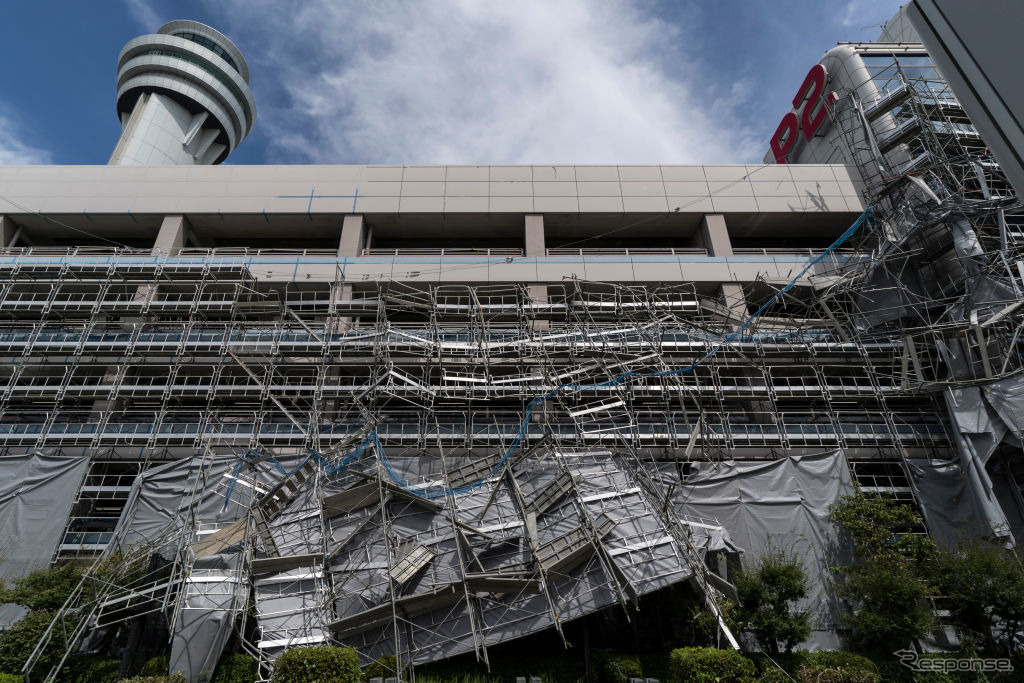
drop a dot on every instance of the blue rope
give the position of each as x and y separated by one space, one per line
249 456
441 492
726 339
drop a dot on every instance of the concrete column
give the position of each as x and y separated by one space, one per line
534 246
343 292
172 236
170 240
350 244
353 236
9 231
533 236
715 235
340 291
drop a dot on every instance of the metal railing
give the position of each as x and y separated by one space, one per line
626 251
442 251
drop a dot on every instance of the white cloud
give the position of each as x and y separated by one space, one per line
144 14
13 151
869 14
461 81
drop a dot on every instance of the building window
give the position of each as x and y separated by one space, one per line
209 45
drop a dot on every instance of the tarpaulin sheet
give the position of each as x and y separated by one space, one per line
162 500
951 509
1007 398
36 494
965 240
977 431
10 614
884 297
781 504
162 496
215 591
642 552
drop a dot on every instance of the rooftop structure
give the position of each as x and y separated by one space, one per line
182 96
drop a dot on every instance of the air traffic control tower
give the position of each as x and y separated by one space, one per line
183 97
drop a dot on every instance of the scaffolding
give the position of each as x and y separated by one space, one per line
431 470
422 470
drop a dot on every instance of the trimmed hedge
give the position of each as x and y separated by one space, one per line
774 676
157 666
382 667
831 666
318 665
823 674
90 669
708 665
235 668
897 673
611 667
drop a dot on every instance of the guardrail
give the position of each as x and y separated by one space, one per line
458 251
626 251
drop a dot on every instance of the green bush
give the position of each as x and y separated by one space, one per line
768 667
837 667
984 590
157 666
894 672
234 668
43 589
774 676
176 678
90 669
822 674
18 642
888 586
611 667
833 659
707 665
768 595
11 678
382 667
318 665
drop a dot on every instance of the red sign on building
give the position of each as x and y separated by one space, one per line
811 105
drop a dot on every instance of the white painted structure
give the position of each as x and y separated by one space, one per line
183 97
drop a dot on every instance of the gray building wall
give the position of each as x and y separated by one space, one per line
976 46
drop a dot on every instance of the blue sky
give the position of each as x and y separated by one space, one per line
445 81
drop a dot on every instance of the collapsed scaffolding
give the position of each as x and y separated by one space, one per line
421 471
947 263
569 520
441 549
182 581
334 550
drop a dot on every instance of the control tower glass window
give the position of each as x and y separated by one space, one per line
210 45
